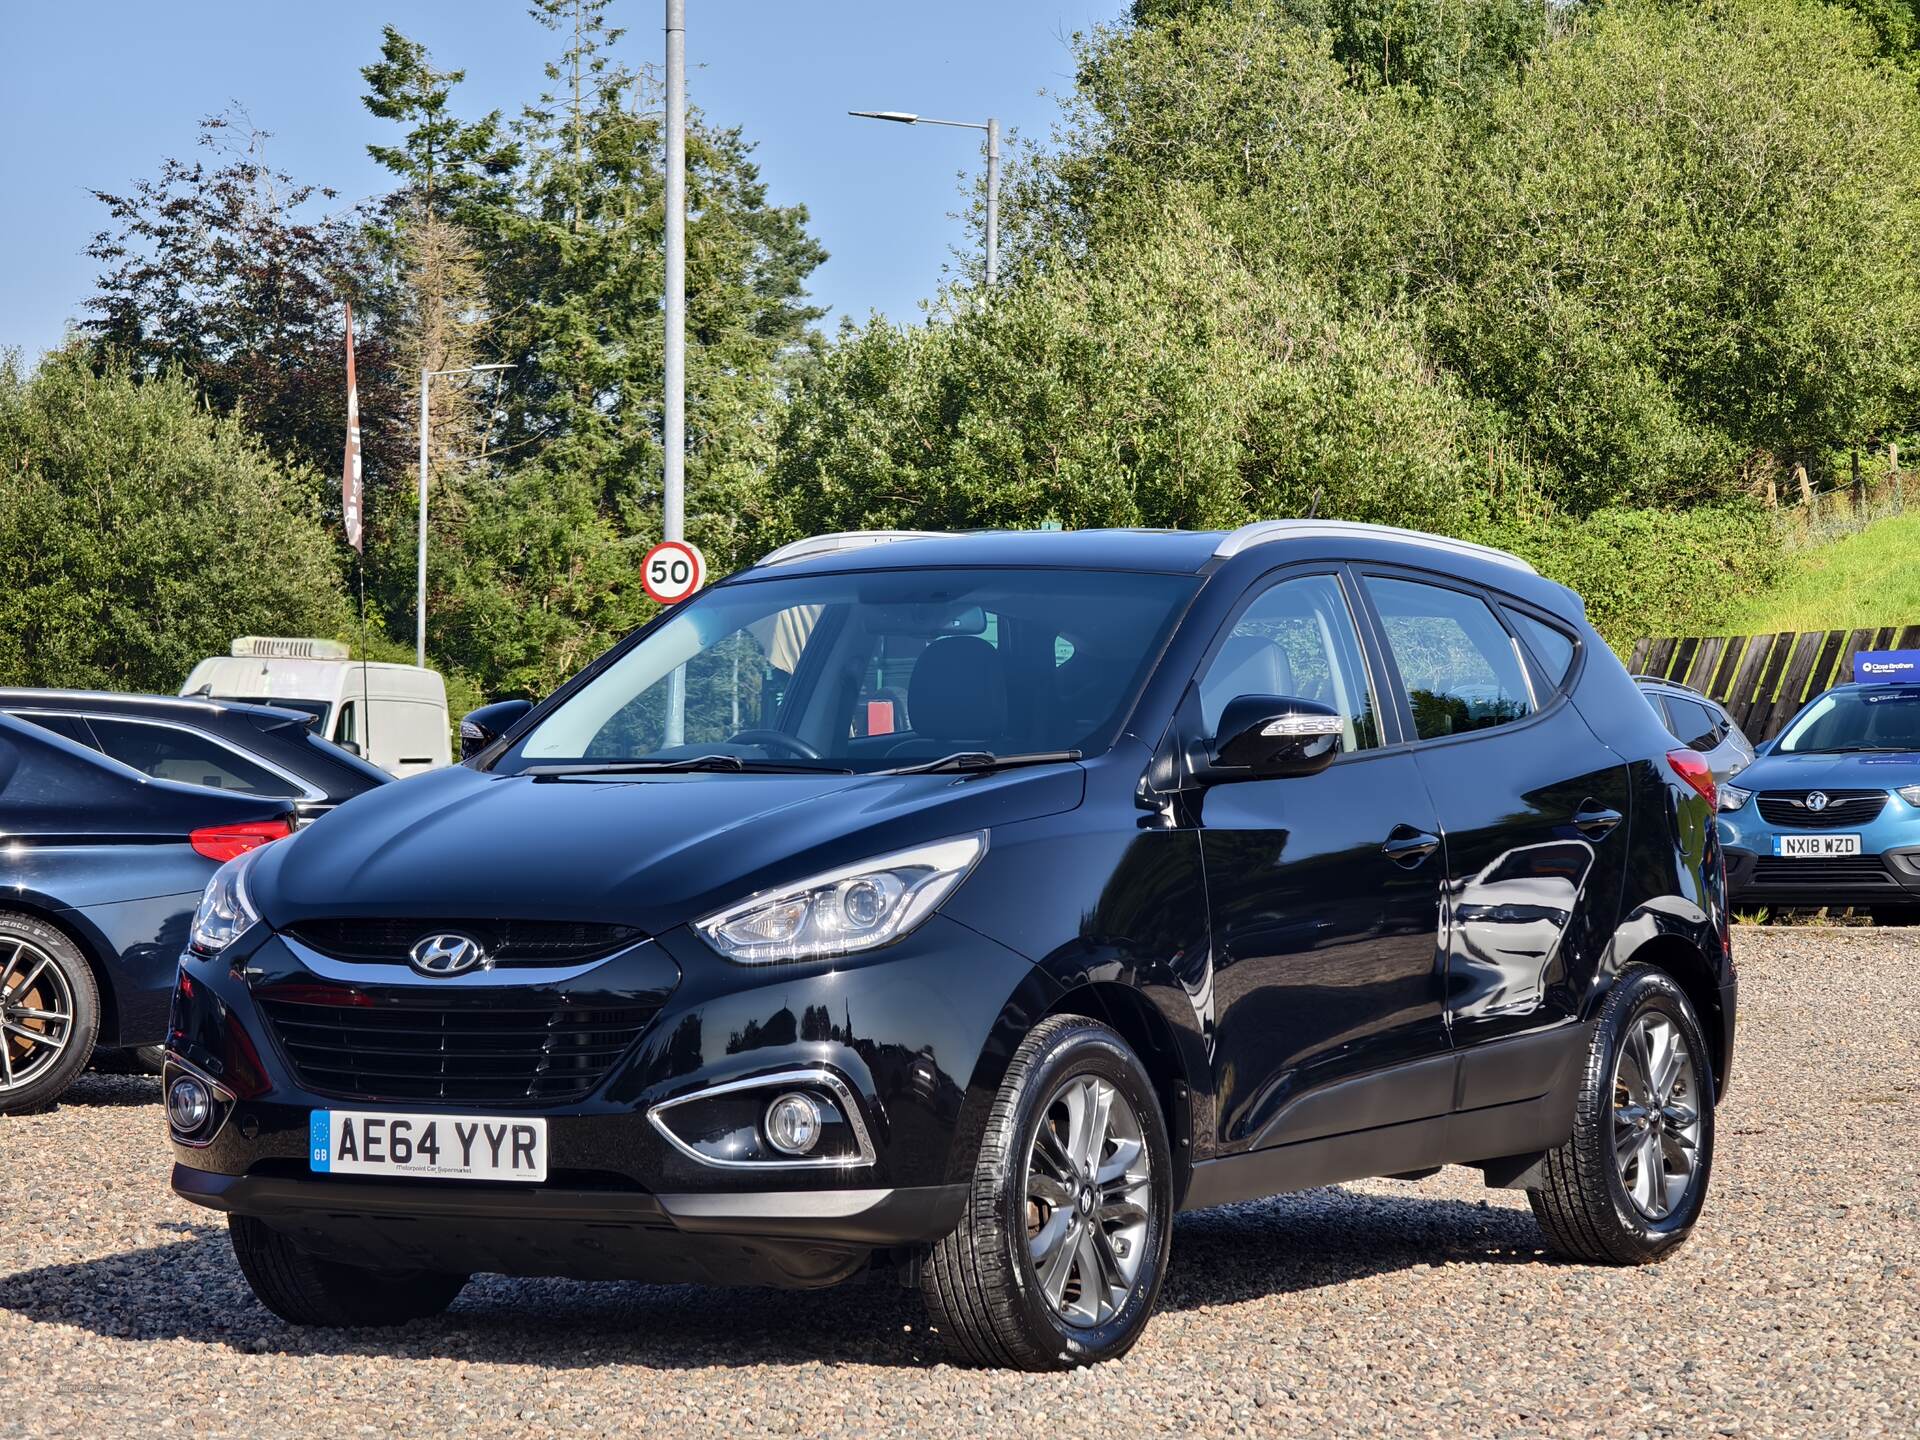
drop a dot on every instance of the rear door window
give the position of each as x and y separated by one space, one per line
1692 723
1459 666
167 752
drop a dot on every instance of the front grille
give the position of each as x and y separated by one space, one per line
1828 870
1844 808
507 942
365 1045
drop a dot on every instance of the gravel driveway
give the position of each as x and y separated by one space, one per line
1386 1307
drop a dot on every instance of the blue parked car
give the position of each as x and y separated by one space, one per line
101 865
1829 814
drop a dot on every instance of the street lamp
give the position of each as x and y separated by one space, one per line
420 599
992 127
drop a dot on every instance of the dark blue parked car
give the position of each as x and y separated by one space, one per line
100 868
970 905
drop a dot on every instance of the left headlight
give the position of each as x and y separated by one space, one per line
225 910
858 907
1732 797
1910 794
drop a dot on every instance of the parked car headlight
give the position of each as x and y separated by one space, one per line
1910 794
858 907
1732 797
225 912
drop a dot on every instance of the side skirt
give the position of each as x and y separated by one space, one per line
1506 1139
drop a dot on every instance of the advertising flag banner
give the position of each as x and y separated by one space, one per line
350 469
1899 667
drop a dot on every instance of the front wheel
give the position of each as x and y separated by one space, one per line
1629 1184
1059 1258
306 1289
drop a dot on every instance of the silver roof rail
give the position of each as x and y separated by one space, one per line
843 540
1265 532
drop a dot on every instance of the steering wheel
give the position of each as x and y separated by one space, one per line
791 746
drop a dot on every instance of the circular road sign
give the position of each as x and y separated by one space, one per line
672 571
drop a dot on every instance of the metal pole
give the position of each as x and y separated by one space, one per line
673 517
420 597
674 436
993 200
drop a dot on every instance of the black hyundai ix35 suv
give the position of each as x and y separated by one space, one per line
970 905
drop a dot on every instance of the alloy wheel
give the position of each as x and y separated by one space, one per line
1089 1184
1656 1115
36 1012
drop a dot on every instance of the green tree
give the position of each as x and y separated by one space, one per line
139 532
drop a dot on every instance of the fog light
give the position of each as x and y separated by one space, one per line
793 1124
189 1103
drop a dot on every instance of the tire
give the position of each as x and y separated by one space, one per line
985 1291
306 1289
135 1060
1633 1210
49 1013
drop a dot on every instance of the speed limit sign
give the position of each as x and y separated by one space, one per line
673 570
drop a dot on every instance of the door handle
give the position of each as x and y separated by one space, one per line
1407 847
1594 820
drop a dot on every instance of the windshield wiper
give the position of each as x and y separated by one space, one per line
684 765
1857 750
963 760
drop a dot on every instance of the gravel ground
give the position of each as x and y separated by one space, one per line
1415 1309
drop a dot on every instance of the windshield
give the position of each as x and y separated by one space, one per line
1884 718
874 671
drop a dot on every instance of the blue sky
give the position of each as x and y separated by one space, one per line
92 97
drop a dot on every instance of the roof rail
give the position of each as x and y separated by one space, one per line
1676 684
843 540
1264 532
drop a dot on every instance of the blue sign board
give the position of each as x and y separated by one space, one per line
1887 667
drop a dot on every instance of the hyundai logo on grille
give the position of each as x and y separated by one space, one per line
447 955
1817 800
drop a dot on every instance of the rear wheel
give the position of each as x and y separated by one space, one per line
1629 1184
49 1013
306 1289
1060 1256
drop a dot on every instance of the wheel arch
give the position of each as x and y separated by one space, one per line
1690 969
87 941
1151 1035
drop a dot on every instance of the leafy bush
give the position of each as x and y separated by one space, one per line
139 533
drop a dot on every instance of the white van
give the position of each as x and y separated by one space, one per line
393 715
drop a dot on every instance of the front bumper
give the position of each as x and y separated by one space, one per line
910 1032
1890 877
789 1239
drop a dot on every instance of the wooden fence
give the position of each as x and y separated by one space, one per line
1764 679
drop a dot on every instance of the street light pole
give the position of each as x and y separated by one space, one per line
673 428
992 127
420 589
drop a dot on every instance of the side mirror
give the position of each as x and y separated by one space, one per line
1271 737
352 747
480 728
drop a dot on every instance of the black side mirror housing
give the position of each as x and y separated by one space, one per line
352 747
480 728
1273 737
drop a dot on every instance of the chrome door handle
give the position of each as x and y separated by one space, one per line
1407 847
1594 820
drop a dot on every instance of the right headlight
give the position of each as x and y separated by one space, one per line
225 912
857 907
1732 797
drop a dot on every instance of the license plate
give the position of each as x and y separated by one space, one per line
432 1147
1815 847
